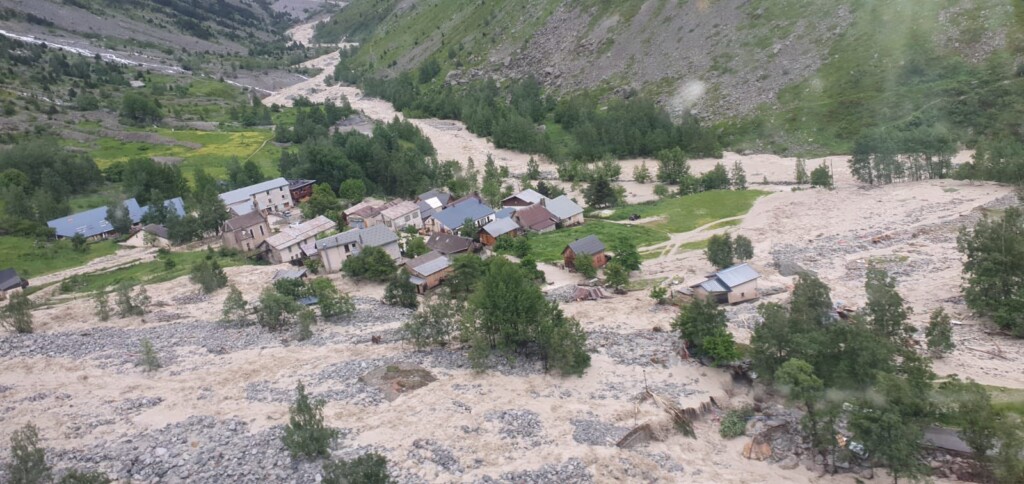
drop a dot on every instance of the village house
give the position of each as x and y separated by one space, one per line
568 212
502 227
93 224
524 198
152 235
450 244
589 245
431 202
267 197
296 242
362 214
451 219
401 215
11 282
334 250
245 232
535 218
428 270
733 285
301 190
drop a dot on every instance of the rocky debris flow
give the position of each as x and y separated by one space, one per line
430 451
201 449
572 471
133 406
120 346
592 431
521 426
5 389
192 298
664 461
372 312
743 316
641 348
562 294
632 390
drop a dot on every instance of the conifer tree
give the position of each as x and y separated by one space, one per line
306 435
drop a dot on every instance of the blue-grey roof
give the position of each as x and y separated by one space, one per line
712 285
241 194
501 226
94 221
505 212
736 275
429 263
344 238
588 245
563 207
454 217
377 236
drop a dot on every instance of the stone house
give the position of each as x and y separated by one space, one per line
296 242
729 286
269 196
334 250
245 232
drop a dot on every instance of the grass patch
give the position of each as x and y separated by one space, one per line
683 214
723 224
1007 399
548 247
218 148
88 201
152 272
644 284
695 245
32 258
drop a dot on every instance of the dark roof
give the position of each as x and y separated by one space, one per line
449 244
9 279
588 245
535 217
244 221
156 229
297 184
441 196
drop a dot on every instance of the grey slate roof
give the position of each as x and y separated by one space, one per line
9 279
449 244
429 263
737 274
443 197
563 207
453 217
344 238
376 236
94 221
244 221
588 245
501 227
242 194
156 229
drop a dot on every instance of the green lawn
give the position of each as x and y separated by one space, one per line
147 272
682 214
548 247
31 258
100 198
218 147
1007 399
696 245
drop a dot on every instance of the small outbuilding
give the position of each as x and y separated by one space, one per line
11 282
502 227
428 270
729 286
589 245
152 235
450 244
524 198
535 218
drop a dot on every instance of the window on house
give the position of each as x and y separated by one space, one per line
261 230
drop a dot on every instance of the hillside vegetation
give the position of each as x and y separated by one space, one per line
793 76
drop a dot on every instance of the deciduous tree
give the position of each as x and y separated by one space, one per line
306 435
720 251
939 333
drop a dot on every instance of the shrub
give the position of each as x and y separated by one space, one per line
306 320
17 314
77 477
333 303
939 333
102 306
616 276
584 264
734 423
148 358
305 435
208 275
275 310
401 291
126 304
234 306
371 264
369 468
659 293
435 323
28 459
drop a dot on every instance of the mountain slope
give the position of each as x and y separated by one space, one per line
799 72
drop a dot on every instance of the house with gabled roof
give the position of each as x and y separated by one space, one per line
502 227
524 198
432 202
334 250
568 212
451 219
93 223
401 215
535 218
296 242
733 285
428 270
450 244
151 235
269 196
245 232
363 214
587 246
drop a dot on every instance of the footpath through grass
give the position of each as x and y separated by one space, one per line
32 258
152 272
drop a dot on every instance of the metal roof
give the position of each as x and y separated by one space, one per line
429 263
505 212
344 238
588 245
449 244
368 202
535 217
399 209
94 221
293 235
529 196
377 236
244 221
563 207
453 217
244 193
442 197
501 227
9 279
736 275
156 229
713 285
